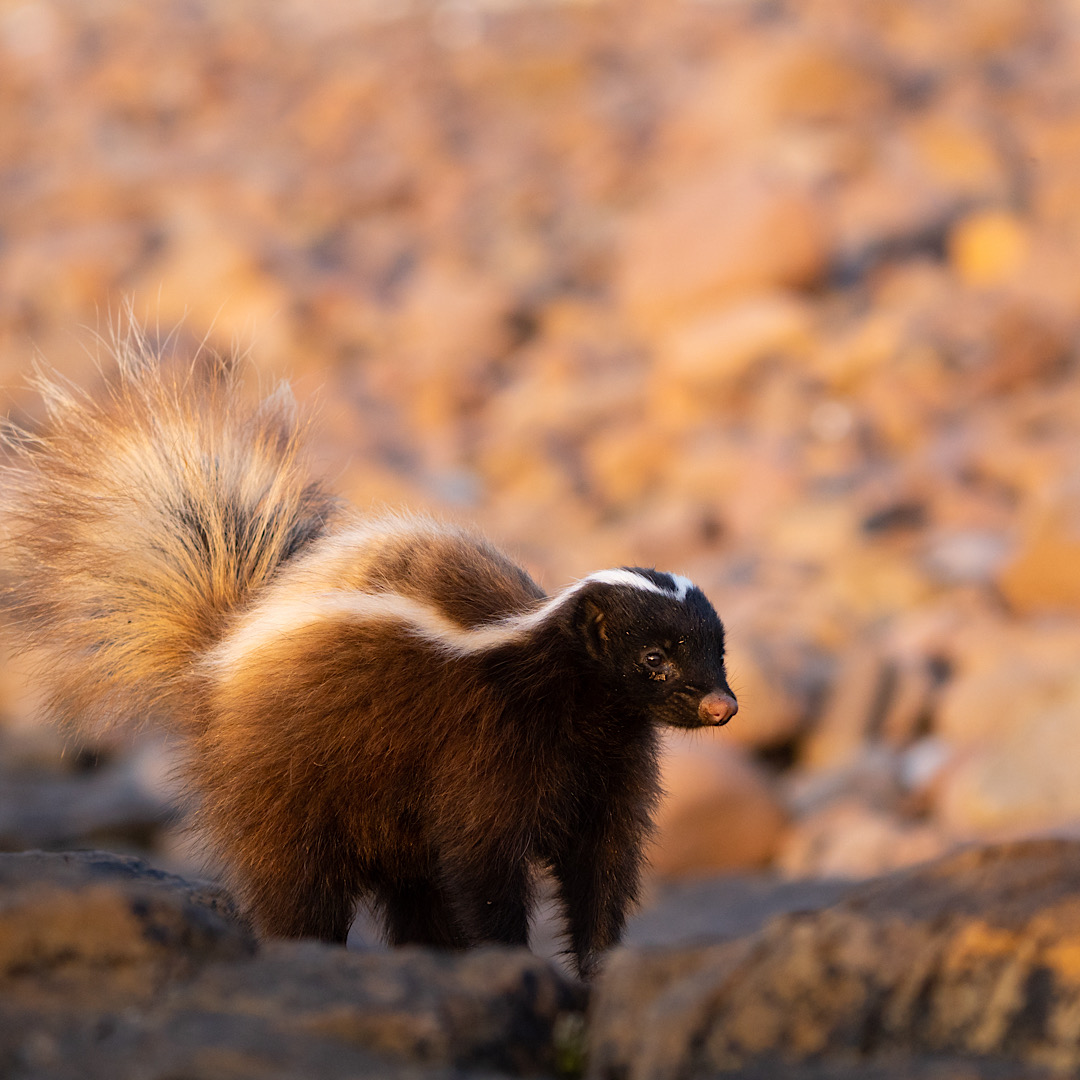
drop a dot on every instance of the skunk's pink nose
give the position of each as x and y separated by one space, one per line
717 708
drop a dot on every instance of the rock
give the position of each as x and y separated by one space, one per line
451 325
817 81
1017 785
205 1046
714 349
1008 717
111 969
816 531
308 1010
692 911
914 683
867 816
91 930
70 266
715 237
970 556
706 360
1044 575
871 584
670 530
208 273
988 247
1025 344
924 1067
971 958
488 1008
1005 677
859 351
853 706
622 466
848 839
956 156
720 811
873 777
114 801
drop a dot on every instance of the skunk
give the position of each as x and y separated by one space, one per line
373 708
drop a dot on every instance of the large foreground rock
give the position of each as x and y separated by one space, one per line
94 930
111 970
966 966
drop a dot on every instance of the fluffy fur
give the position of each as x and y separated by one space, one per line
374 708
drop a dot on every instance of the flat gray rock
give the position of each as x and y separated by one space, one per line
713 909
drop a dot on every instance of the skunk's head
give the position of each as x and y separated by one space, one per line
657 645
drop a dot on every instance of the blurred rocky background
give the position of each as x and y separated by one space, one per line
784 296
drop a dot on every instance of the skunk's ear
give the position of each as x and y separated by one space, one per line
591 624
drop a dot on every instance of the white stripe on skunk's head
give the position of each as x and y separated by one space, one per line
651 581
656 581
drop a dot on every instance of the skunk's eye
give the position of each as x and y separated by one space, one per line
653 659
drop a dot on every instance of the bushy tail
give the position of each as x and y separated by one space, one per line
137 519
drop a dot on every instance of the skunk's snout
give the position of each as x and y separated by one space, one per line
717 708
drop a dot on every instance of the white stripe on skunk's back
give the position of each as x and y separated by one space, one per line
287 613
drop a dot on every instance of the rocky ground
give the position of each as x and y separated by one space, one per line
966 967
783 296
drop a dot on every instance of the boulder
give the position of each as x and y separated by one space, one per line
988 247
122 798
721 812
1044 575
112 970
848 839
1022 783
713 237
970 961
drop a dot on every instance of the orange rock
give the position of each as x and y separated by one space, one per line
799 86
847 839
1024 783
714 348
623 462
957 155
940 36
525 473
716 236
1025 345
450 327
871 582
814 530
988 247
815 80
720 812
983 28
902 403
452 321
859 351
1007 676
850 710
913 691
1045 575
753 490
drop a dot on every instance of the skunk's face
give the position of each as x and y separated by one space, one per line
659 647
